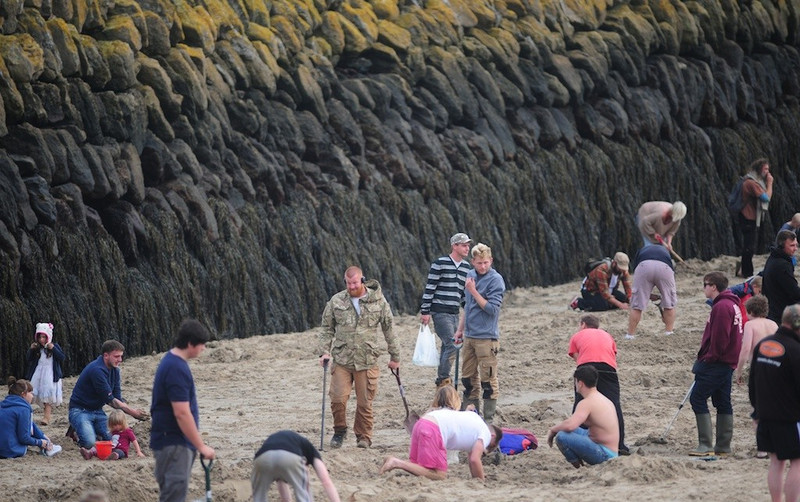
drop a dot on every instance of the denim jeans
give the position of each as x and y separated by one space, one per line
607 385
712 380
576 446
90 425
445 326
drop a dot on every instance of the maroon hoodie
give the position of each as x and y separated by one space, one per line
722 338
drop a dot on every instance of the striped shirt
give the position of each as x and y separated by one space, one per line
444 292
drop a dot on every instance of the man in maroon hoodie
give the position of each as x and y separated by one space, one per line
713 370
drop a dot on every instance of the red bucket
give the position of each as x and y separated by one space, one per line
103 449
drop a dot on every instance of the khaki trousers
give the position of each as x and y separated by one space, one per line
366 386
479 369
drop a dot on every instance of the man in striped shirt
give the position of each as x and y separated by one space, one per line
443 297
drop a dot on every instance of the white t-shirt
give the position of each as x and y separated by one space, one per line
460 429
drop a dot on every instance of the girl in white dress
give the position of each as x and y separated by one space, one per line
44 369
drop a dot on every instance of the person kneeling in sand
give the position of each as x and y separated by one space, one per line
445 429
600 440
285 457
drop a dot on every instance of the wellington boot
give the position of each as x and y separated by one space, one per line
704 447
474 402
489 407
724 434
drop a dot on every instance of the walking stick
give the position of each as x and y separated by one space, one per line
458 352
324 383
680 406
207 468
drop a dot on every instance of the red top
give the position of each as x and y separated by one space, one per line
125 439
592 345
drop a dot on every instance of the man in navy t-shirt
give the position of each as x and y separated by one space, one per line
175 435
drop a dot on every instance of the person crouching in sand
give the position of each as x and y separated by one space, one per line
599 442
445 429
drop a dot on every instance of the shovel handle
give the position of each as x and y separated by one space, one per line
207 468
396 373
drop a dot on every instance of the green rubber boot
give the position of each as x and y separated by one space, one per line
704 447
474 402
724 435
489 407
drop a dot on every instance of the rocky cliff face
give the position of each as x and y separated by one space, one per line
228 159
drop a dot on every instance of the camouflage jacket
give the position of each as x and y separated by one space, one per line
352 339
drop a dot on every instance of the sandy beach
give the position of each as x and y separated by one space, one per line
251 387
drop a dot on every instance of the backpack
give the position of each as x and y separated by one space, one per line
735 199
594 263
517 440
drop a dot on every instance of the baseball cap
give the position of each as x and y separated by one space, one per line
622 261
459 238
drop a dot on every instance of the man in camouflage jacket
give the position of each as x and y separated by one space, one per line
349 336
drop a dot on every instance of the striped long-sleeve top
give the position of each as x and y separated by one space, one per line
444 291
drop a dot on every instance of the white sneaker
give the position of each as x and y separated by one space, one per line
628 336
668 333
56 448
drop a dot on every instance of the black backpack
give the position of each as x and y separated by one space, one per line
594 263
735 199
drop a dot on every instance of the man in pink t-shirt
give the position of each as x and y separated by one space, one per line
594 347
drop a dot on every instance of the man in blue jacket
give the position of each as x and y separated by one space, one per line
98 385
713 370
480 331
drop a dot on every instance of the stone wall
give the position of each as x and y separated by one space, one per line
228 159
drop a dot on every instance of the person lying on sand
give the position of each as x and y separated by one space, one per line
445 429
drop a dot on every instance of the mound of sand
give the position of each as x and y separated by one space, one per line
250 388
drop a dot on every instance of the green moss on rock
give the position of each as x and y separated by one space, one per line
121 62
393 35
354 40
23 56
331 30
224 16
64 43
123 29
257 11
198 27
285 29
385 9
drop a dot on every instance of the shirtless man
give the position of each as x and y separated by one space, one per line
599 442
445 429
756 329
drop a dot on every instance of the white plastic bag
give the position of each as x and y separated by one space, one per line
425 352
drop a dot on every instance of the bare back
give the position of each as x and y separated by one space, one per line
601 420
755 329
